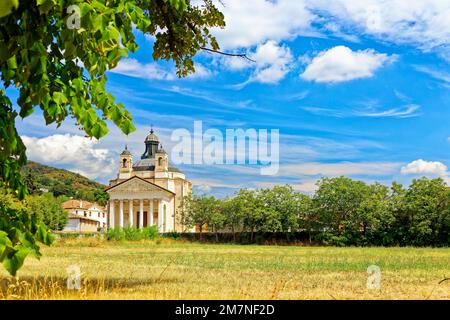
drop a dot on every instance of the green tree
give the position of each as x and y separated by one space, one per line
399 226
19 234
101 197
232 211
48 209
199 211
60 189
308 219
369 215
30 181
374 217
286 203
337 199
182 215
269 214
426 209
216 218
251 210
61 68
337 202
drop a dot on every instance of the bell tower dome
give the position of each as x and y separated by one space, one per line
126 164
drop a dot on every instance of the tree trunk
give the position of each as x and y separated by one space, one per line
234 234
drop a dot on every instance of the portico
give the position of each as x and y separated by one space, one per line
140 203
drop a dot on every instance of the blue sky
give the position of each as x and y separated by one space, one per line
361 90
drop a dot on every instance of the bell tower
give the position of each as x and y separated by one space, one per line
126 164
161 160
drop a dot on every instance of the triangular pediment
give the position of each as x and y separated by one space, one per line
135 185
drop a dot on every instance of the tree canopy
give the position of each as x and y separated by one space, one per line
341 212
56 53
62 69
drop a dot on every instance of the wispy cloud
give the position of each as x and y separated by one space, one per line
404 112
133 68
407 111
437 74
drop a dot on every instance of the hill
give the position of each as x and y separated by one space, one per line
41 178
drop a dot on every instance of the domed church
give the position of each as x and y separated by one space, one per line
148 191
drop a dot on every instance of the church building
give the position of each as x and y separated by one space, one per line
148 191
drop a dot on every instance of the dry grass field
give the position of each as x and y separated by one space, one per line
177 270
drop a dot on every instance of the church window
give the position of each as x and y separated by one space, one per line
160 162
124 163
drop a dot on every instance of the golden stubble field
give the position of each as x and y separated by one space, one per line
178 270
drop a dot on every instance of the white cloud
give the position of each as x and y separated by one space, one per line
73 152
340 64
133 68
423 23
252 22
236 63
425 167
201 72
272 62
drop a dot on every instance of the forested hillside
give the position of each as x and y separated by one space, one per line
41 178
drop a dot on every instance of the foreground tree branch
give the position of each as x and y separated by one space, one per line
239 55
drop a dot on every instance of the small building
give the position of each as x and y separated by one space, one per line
81 224
87 211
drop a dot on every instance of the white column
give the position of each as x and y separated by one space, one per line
121 214
150 212
111 213
130 213
141 213
160 215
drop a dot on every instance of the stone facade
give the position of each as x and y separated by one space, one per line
148 191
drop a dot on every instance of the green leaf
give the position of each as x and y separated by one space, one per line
12 62
60 98
15 261
127 127
5 242
6 7
43 235
99 129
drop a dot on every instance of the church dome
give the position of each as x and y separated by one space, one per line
152 137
